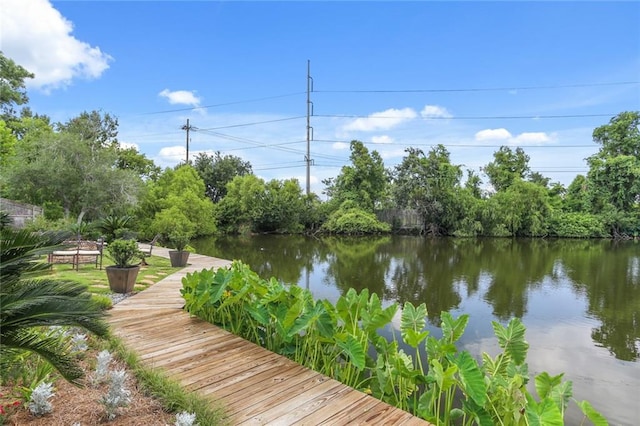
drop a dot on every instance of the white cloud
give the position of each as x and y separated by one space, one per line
127 145
523 138
340 145
532 137
382 120
435 111
36 36
381 139
493 134
172 153
180 97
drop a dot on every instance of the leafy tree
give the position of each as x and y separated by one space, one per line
12 87
365 181
539 179
131 159
217 171
614 172
473 184
60 167
28 305
236 211
521 210
96 128
429 184
577 197
7 144
507 166
177 190
280 208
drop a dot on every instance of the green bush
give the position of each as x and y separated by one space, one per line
123 253
576 225
350 219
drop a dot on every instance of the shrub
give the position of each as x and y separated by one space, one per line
350 219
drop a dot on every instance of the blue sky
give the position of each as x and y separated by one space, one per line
391 74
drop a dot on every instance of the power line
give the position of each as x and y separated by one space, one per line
459 145
222 104
276 120
486 89
477 117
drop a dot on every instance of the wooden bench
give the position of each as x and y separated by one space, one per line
83 251
146 249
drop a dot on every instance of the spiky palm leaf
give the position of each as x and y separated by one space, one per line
26 305
20 252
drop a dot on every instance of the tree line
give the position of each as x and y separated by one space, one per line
79 172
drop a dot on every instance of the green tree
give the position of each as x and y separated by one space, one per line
96 128
577 197
60 167
507 166
29 305
236 212
131 159
7 144
429 184
12 87
281 207
365 181
178 190
614 173
217 171
522 210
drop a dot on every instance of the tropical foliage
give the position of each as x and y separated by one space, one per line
29 305
431 378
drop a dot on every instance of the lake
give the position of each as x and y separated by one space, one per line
579 299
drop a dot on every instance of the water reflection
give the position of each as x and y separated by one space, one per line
604 276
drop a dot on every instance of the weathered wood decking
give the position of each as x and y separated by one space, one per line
256 386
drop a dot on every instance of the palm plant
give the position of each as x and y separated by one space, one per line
28 303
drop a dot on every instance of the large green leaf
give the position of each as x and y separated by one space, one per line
452 329
375 317
412 323
546 382
354 350
596 418
545 413
511 339
471 377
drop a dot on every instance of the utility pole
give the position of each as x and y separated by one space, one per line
307 157
188 127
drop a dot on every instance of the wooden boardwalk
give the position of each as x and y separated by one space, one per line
254 385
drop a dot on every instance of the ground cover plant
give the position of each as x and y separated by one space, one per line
342 341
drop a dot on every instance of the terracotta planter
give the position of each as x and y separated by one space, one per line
178 258
122 280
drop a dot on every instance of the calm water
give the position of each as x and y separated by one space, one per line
580 300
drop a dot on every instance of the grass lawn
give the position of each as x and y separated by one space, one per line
96 279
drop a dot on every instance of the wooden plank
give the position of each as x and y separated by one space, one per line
279 406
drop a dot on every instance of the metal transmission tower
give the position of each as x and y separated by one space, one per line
188 127
307 157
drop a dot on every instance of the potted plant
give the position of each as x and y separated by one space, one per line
179 240
123 274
